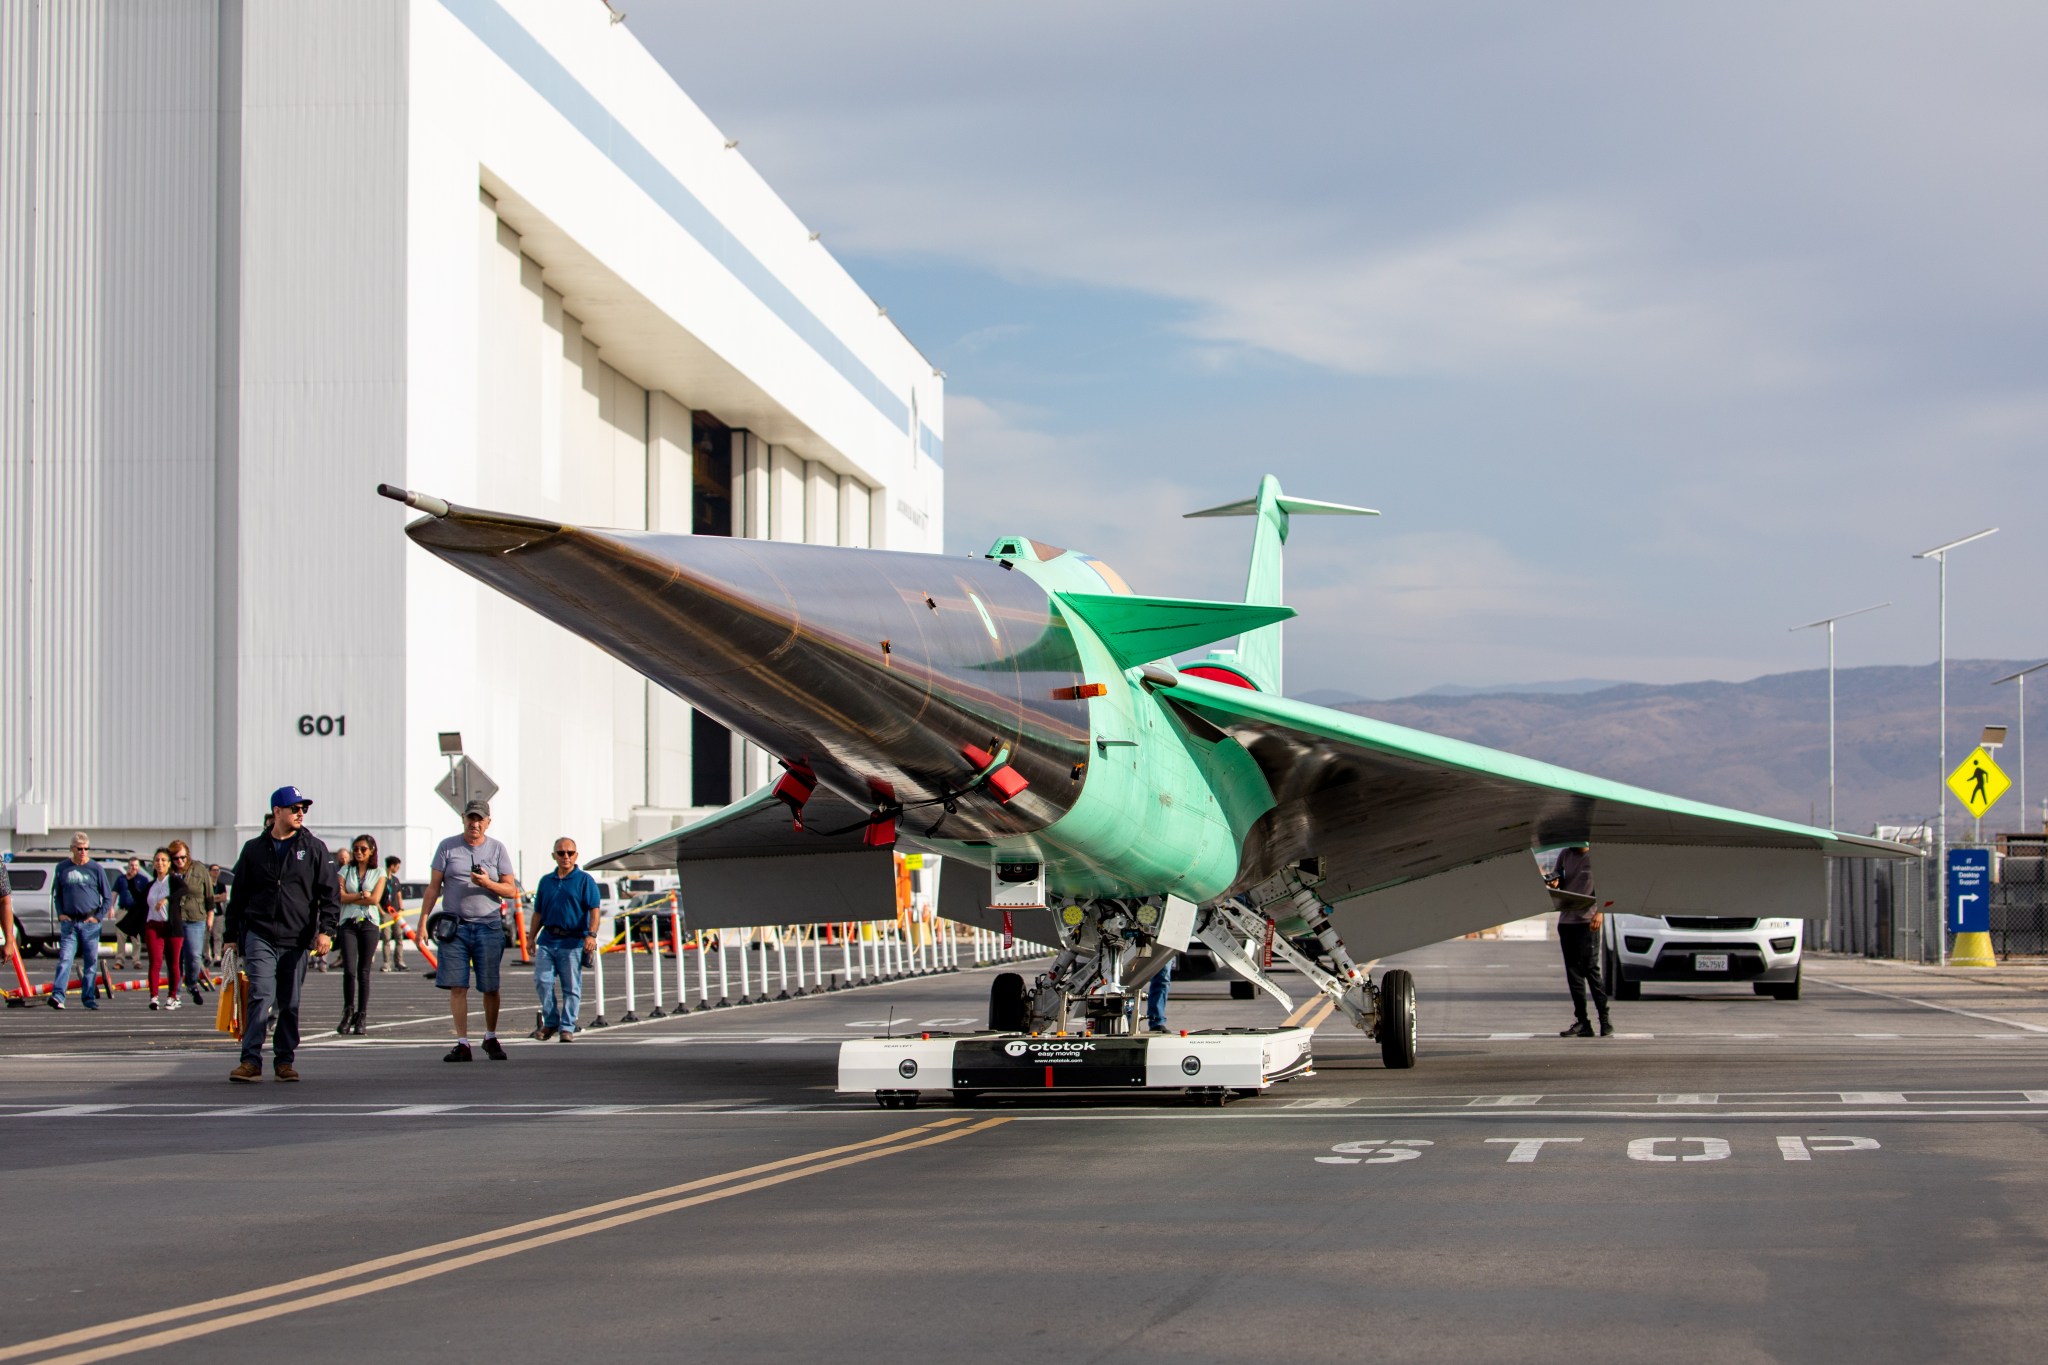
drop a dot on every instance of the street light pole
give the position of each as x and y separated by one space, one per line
2021 678
1939 554
1829 622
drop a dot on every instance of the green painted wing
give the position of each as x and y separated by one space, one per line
1382 804
1138 630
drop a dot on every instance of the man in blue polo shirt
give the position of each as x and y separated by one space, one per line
565 908
81 895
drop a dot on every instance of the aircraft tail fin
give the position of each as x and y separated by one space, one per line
1258 651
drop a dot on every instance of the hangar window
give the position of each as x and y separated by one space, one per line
710 762
711 476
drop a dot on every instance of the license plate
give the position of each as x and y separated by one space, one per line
1710 962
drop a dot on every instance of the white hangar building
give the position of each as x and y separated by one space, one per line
260 257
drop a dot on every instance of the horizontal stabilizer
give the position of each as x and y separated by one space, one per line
1138 630
1298 507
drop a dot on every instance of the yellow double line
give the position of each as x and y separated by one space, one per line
293 1296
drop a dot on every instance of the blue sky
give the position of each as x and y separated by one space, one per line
1653 330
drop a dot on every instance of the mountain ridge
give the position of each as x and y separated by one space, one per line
1760 745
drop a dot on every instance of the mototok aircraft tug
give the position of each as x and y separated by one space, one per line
1020 713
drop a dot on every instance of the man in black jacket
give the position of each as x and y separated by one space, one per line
285 900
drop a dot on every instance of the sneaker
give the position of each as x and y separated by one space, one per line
248 1073
1579 1029
1606 1029
199 997
92 1004
495 1050
567 1038
153 1003
285 1071
56 1002
458 1053
174 1003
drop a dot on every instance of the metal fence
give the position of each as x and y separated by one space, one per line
1882 908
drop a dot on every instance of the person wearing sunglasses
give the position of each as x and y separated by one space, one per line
284 902
475 872
565 910
362 904
189 918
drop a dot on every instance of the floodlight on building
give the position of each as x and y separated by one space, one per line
451 743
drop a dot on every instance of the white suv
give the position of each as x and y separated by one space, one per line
1728 948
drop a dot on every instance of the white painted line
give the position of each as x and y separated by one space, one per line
415 1110
1876 1035
1509 1037
1688 1099
1526 1149
1930 1005
2035 1096
1330 1103
1502 1101
72 1111
1873 1097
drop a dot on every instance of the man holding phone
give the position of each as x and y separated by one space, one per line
475 871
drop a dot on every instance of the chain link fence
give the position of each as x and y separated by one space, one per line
1886 908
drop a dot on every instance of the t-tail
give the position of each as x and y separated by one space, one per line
1256 659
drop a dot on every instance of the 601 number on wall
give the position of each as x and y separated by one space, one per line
323 725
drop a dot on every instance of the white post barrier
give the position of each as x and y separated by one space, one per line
801 989
861 941
845 955
675 939
597 962
781 964
746 987
724 990
654 964
629 1017
703 973
818 956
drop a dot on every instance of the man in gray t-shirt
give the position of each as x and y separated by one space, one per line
474 871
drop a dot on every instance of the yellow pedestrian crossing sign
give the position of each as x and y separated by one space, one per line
1978 782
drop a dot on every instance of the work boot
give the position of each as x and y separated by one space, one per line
248 1073
285 1071
1579 1029
1606 1028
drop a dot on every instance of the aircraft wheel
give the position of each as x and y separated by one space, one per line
1397 1020
1006 1008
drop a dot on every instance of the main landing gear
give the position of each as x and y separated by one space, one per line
1111 948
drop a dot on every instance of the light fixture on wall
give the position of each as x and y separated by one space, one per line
815 234
731 143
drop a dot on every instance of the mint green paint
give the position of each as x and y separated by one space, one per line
1139 630
1258 650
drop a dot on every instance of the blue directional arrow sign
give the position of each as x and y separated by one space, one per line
1969 890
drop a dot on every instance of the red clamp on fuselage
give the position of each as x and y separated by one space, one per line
794 788
1005 781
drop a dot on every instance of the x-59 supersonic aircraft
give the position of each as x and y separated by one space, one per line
1020 713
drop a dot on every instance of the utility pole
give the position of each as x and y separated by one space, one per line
2021 678
1939 554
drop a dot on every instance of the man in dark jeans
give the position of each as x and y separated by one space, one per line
285 899
81 895
1578 934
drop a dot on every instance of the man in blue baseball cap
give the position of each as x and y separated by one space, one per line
285 900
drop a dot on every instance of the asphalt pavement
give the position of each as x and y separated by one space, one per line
1861 1174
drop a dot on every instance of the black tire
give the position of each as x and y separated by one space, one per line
1624 989
1241 989
1396 1024
1781 990
1006 1011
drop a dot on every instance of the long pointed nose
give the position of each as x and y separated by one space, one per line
879 669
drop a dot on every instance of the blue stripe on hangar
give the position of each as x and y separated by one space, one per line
521 51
